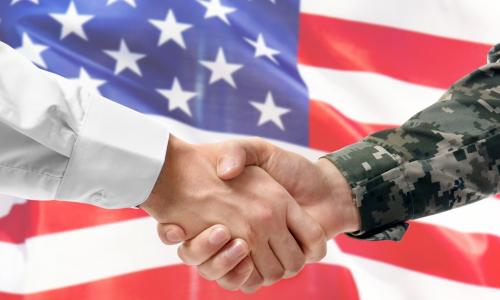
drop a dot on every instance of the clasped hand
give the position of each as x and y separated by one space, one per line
249 212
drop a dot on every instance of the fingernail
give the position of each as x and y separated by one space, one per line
237 250
218 236
172 236
226 164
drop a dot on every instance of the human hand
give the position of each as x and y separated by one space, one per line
319 188
278 233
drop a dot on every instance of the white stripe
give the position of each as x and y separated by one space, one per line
368 97
480 217
73 257
69 258
376 280
471 20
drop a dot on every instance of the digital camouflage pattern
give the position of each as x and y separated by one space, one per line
446 156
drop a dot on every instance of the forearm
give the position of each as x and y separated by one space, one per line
62 141
443 157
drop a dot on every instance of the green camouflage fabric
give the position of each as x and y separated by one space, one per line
445 156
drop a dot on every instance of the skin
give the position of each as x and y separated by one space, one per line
272 235
318 187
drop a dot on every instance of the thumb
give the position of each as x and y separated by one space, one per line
171 234
232 160
234 156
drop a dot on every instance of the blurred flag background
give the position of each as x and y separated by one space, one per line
311 75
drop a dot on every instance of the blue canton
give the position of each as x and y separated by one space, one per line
218 65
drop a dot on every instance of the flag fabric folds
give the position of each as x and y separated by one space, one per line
311 76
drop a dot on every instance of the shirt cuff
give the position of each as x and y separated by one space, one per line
377 185
116 158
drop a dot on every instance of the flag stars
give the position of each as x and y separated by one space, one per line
177 97
261 49
72 22
125 59
270 112
32 51
88 82
221 69
170 29
214 8
129 2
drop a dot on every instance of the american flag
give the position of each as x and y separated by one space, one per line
312 76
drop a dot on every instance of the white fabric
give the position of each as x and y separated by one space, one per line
61 141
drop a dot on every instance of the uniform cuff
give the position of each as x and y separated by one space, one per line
377 185
116 158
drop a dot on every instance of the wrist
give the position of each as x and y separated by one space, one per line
157 202
343 211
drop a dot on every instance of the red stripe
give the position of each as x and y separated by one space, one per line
180 282
406 55
36 218
330 130
469 258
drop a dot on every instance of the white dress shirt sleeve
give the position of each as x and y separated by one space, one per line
61 141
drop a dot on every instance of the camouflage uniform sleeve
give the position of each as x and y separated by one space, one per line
445 156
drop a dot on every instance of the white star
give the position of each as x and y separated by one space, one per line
216 9
178 98
261 49
16 1
129 2
125 59
221 69
72 22
270 112
88 82
171 29
32 51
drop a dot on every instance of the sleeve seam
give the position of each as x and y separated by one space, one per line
31 171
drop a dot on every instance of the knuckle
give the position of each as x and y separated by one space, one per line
257 140
316 246
264 215
251 287
228 284
296 265
205 273
225 262
317 234
184 255
317 253
250 233
275 275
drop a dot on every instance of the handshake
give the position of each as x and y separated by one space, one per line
248 212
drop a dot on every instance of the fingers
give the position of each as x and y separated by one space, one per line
171 234
307 232
235 278
224 261
199 249
254 282
289 253
268 264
